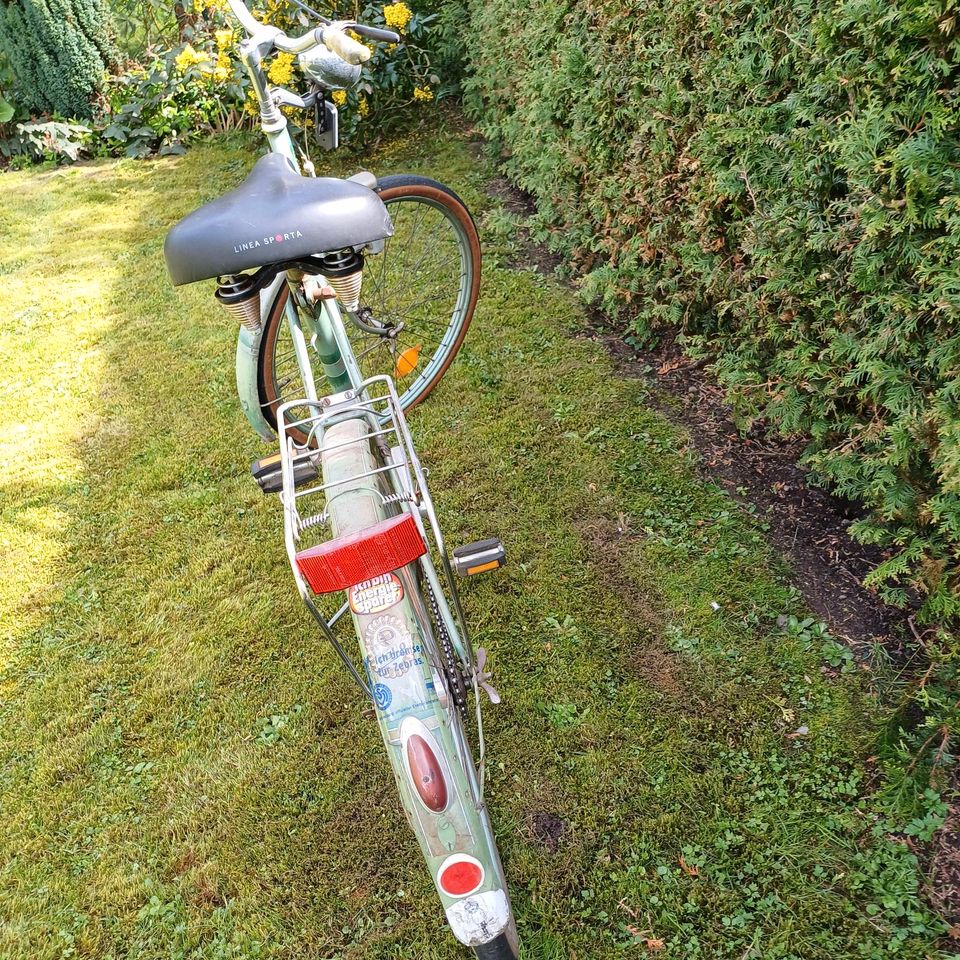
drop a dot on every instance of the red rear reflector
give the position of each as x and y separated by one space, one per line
426 774
460 875
347 561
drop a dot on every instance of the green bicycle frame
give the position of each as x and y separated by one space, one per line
402 664
321 330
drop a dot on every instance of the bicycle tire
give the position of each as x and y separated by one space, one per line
498 949
275 385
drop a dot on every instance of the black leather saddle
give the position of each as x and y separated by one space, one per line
273 216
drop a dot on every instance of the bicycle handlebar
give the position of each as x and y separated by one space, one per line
247 20
336 40
332 35
375 33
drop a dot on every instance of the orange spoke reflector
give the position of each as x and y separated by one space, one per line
407 362
345 562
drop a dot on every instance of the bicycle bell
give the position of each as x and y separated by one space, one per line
328 69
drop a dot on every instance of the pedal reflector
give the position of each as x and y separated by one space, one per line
346 561
479 557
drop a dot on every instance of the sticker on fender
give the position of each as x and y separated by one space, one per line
392 650
376 595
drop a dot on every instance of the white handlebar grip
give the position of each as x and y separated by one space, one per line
337 41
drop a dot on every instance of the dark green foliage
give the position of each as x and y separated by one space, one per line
58 52
781 182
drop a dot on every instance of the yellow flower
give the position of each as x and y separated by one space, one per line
363 107
250 105
423 94
339 97
224 38
188 57
397 16
222 72
281 70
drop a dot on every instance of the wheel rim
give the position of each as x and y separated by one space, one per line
419 288
423 280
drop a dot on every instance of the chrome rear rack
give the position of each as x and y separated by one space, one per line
393 476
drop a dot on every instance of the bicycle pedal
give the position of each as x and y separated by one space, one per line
266 471
479 557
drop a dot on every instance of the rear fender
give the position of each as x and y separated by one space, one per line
249 344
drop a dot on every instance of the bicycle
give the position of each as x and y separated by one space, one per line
317 271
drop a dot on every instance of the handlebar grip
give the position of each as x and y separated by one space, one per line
336 41
375 33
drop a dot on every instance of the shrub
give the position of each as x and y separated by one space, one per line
177 96
52 140
780 182
58 52
398 78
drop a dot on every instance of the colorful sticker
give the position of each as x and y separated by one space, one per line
391 649
382 696
376 595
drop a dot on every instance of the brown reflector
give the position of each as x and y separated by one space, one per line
426 773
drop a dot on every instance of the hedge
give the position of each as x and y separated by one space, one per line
781 182
58 51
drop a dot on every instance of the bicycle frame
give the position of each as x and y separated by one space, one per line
403 666
326 334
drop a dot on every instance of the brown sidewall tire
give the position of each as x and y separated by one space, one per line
391 188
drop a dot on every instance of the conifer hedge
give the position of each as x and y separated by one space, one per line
781 181
58 52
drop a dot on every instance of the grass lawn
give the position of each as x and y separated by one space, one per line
185 772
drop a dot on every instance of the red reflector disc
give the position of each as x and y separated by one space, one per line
460 876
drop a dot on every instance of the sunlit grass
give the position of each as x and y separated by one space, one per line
151 805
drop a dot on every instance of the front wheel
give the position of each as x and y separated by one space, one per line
416 302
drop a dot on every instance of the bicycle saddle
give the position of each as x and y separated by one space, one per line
273 216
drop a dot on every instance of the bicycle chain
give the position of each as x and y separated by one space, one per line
451 665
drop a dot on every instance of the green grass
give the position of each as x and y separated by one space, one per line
185 771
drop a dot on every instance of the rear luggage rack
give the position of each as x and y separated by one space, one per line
359 445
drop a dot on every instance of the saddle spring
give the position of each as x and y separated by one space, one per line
240 296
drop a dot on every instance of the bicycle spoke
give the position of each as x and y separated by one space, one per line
416 284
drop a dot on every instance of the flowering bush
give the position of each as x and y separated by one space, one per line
398 76
198 86
180 95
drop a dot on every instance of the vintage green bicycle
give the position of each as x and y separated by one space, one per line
353 298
